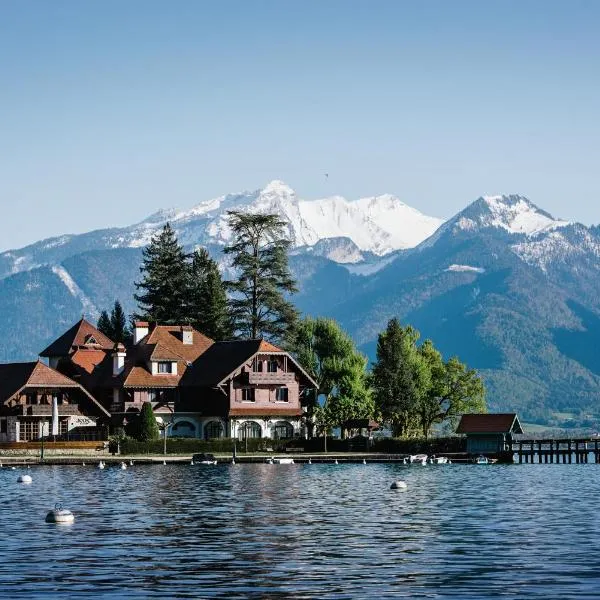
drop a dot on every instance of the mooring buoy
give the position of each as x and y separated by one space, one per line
24 479
398 485
60 515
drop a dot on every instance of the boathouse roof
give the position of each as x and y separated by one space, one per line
490 423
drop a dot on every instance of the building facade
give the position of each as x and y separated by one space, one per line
197 387
37 402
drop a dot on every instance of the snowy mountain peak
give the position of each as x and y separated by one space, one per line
279 188
513 213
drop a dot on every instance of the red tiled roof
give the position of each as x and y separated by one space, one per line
42 376
141 377
88 360
268 347
161 352
169 336
275 411
15 377
78 336
489 423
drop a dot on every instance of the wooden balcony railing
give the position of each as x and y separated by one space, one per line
45 410
278 377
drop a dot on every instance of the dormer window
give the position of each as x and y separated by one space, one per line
272 366
165 368
90 340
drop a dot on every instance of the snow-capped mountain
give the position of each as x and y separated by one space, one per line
376 225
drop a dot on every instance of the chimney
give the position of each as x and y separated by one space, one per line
187 335
140 330
118 357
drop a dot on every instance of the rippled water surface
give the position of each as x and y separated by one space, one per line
299 531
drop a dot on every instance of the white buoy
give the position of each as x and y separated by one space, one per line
398 485
24 479
13 468
60 516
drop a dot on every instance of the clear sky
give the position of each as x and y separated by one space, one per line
110 110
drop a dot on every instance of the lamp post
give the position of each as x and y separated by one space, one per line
43 426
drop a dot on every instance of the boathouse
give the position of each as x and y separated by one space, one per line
489 433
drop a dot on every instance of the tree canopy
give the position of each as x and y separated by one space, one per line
115 325
415 389
206 297
329 355
258 306
162 291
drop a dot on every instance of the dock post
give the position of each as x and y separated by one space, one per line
520 452
596 451
569 450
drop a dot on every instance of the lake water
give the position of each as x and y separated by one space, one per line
302 531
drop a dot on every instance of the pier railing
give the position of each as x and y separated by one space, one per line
566 451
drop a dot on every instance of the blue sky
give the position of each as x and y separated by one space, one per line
110 110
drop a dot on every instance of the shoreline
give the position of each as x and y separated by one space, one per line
258 458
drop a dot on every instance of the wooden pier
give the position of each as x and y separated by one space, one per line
565 451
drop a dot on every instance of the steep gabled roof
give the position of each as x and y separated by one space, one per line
163 343
219 361
82 334
223 359
489 423
169 338
16 377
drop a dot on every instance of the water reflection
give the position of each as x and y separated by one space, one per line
281 531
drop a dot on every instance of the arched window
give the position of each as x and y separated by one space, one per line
213 429
283 430
249 430
183 429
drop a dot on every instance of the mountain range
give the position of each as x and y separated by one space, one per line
510 289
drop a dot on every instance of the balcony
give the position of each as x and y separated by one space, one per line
45 410
266 378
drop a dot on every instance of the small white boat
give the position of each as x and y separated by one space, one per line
482 460
418 458
283 461
204 459
207 462
438 460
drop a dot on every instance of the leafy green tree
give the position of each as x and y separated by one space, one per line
400 377
465 390
104 325
147 428
206 297
258 306
162 291
329 355
429 406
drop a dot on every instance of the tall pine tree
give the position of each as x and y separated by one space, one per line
118 324
258 306
206 297
104 325
162 292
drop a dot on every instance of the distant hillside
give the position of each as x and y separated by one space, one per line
511 290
